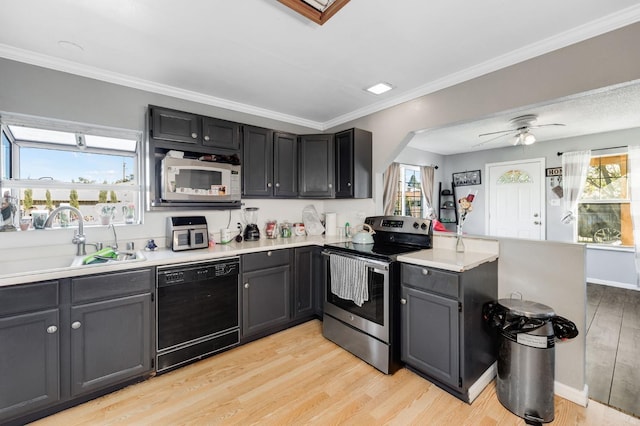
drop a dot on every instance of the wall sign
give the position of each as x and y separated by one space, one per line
466 178
553 171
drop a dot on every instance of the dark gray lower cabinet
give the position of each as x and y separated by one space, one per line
110 342
61 340
29 362
304 288
444 337
266 290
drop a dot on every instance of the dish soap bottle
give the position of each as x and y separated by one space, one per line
347 230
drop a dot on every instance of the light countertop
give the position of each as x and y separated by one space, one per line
448 260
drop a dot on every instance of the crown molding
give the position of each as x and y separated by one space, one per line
595 28
592 29
45 61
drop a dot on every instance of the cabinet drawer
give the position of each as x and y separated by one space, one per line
265 259
116 284
28 297
429 279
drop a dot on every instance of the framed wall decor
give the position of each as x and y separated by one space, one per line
466 178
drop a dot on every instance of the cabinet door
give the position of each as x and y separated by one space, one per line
265 299
304 283
257 162
29 362
316 166
110 342
285 165
430 335
177 126
344 164
220 133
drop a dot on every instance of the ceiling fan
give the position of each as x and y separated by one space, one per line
521 129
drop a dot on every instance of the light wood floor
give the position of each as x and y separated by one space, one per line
297 377
613 347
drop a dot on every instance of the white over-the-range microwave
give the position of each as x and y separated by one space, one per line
200 181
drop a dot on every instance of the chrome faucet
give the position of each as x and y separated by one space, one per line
79 238
115 237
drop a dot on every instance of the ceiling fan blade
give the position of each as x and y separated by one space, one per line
546 125
495 133
494 138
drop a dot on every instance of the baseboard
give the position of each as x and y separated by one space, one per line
580 397
613 284
482 382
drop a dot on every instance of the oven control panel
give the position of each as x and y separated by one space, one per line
400 224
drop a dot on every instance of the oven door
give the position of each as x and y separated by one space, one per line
373 316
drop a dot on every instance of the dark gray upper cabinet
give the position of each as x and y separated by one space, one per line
285 164
220 133
353 164
167 125
257 162
175 126
269 163
316 166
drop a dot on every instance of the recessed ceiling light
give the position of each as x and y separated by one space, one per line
379 88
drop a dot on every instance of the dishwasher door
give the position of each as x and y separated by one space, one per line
197 311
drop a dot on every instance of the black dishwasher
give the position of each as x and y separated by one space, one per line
197 311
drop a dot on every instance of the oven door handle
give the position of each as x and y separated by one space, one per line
373 264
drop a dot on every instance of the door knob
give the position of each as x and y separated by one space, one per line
206 138
76 325
194 135
403 301
537 223
246 285
52 329
536 215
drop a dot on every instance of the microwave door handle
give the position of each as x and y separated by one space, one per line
192 237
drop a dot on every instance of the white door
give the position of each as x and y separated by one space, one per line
515 204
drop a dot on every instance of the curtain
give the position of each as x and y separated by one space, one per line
390 194
634 189
574 175
426 176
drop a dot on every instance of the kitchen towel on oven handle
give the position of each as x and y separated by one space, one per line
349 278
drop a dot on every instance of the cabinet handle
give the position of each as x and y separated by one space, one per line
536 222
269 185
277 185
269 253
348 183
52 329
76 325
425 271
206 138
194 135
246 285
330 185
403 301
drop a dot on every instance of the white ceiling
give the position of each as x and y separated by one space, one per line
259 57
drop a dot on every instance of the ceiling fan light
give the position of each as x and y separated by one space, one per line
527 138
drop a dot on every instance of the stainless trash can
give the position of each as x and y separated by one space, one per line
526 360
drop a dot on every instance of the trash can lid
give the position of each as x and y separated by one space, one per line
527 308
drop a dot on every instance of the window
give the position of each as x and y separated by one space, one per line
604 211
49 163
410 199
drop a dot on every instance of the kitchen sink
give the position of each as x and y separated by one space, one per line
121 257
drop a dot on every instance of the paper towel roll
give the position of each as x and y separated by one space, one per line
330 224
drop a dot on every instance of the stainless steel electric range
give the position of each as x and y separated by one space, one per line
362 287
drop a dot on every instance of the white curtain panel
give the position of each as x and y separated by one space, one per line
390 181
575 166
634 189
426 176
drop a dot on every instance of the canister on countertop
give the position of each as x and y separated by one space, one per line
271 229
285 229
298 229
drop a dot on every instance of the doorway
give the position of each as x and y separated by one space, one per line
515 205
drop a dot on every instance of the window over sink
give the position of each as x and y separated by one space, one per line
48 163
